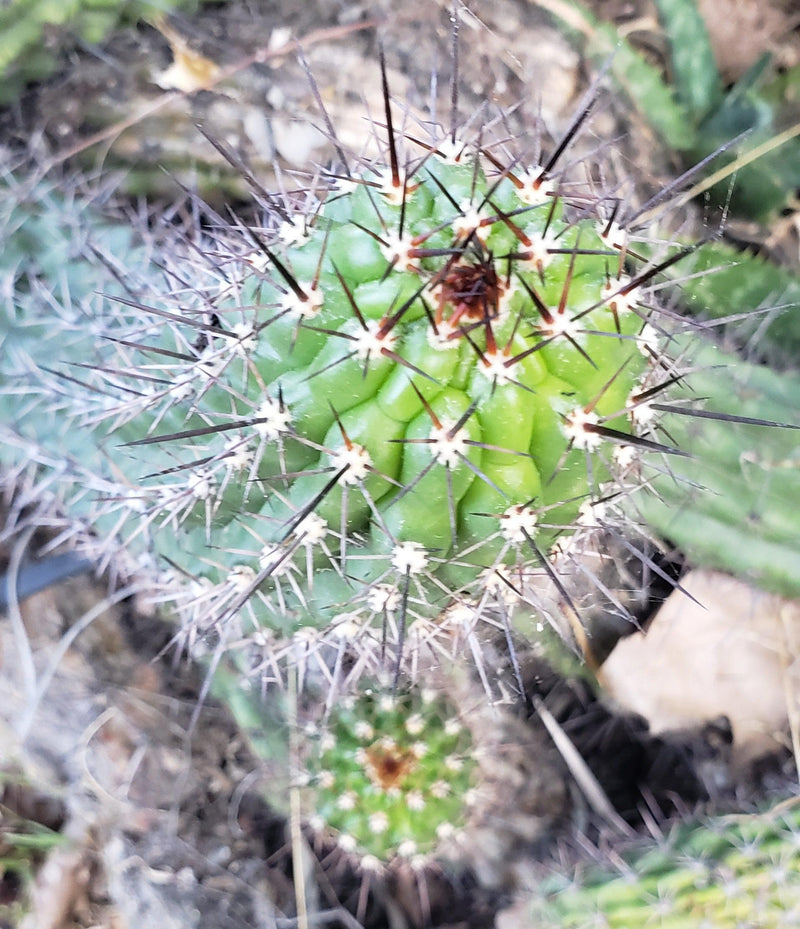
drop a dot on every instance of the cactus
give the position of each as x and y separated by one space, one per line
384 771
731 505
63 256
759 301
398 395
429 785
392 773
401 396
355 430
729 871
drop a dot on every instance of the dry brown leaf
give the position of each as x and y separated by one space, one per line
737 654
742 30
190 71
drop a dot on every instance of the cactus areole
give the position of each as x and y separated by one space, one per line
405 391
393 774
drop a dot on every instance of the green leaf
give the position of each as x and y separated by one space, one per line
719 281
694 70
763 186
640 81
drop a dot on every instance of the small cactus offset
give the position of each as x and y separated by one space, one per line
392 773
400 780
429 783
729 871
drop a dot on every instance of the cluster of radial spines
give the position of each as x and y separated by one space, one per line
392 774
728 873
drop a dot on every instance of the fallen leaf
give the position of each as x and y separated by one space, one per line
735 653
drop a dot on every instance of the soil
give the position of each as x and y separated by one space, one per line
170 819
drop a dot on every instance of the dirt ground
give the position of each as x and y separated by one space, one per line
163 812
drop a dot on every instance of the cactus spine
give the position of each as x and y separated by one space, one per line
730 871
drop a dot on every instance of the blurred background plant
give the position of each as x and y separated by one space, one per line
744 135
36 35
696 115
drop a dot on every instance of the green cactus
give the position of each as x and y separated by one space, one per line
62 257
398 396
391 773
758 301
732 871
405 387
731 505
363 426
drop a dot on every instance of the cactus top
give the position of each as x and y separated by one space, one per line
403 393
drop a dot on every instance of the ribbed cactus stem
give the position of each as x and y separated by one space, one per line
739 870
731 505
418 380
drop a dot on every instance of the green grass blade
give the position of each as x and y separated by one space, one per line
694 70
